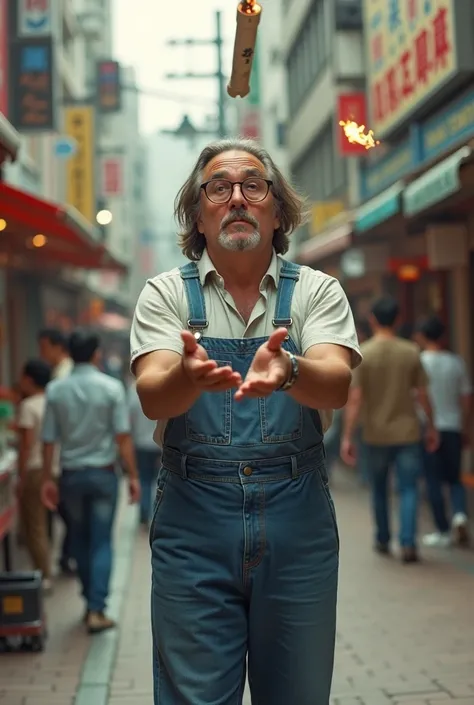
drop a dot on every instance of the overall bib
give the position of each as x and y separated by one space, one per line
245 549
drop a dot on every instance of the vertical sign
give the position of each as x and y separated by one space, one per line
146 253
4 49
109 90
350 107
111 177
34 18
31 75
80 193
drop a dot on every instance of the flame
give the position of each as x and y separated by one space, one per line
356 134
250 7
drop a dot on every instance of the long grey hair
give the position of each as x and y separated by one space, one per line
290 205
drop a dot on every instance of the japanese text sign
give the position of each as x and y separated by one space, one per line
111 177
351 107
31 78
80 188
411 53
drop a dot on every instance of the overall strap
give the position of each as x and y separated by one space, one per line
289 275
196 306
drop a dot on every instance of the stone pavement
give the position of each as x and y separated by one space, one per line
405 633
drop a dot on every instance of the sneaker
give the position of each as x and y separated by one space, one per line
97 622
410 555
461 529
47 586
382 548
437 540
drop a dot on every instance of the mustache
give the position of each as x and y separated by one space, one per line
239 214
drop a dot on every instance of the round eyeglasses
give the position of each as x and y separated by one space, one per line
254 189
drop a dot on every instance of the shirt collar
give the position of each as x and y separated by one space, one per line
206 268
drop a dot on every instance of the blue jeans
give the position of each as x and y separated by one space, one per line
90 497
407 461
147 464
443 467
243 563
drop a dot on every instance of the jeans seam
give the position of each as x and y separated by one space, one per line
263 537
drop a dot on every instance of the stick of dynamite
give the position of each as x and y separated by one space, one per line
248 18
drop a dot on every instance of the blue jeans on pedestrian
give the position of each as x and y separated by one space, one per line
443 467
407 461
90 500
245 548
147 464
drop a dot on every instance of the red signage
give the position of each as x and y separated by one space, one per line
4 57
112 177
351 107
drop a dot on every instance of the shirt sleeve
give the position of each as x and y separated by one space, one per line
421 376
50 430
120 411
157 323
26 417
329 319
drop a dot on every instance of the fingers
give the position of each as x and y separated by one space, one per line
190 342
259 387
276 339
208 376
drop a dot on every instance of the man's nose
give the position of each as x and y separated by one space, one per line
237 199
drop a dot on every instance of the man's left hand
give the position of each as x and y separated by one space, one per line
269 370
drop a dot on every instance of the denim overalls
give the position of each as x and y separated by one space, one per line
244 540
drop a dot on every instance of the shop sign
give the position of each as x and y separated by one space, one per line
112 177
109 87
34 18
322 212
80 192
31 81
412 53
448 128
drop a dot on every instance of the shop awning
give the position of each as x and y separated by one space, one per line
435 185
378 209
9 140
328 243
37 232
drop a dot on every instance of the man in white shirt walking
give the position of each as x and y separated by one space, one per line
450 391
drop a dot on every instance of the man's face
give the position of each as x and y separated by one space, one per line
237 225
48 351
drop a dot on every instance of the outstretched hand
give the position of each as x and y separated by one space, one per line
269 370
203 373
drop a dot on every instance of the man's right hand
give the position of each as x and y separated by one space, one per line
203 373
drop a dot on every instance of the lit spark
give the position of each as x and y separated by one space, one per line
356 134
250 7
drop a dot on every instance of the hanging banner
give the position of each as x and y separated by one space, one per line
31 81
109 89
34 18
79 126
350 107
112 177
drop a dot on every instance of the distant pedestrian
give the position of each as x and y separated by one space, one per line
54 349
148 453
35 376
87 414
451 397
383 395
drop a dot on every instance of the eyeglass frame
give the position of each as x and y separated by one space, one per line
269 183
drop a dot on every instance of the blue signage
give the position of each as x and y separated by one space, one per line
65 147
448 128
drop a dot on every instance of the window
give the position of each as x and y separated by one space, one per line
309 54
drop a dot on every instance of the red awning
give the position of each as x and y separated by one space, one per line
9 140
68 239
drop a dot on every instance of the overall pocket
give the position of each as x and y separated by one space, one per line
281 418
162 480
209 419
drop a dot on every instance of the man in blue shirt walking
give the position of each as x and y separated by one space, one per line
87 414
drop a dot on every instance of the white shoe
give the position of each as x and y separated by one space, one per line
47 586
460 529
459 519
437 540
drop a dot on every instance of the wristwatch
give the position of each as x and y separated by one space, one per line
294 372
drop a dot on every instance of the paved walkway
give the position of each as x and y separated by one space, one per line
406 633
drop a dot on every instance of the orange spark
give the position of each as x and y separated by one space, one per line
250 7
356 134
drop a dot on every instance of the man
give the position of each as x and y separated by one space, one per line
147 453
53 347
451 394
87 414
35 376
234 353
384 392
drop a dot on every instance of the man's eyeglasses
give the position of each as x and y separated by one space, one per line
254 189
